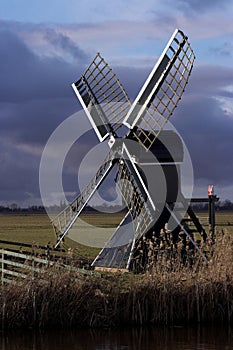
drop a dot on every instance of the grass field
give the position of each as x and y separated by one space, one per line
222 218
26 228
91 232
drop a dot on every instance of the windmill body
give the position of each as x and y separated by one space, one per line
147 157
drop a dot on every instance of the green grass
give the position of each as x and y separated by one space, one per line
222 218
93 229
91 233
26 228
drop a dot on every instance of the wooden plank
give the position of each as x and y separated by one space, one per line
23 256
82 271
27 245
110 269
23 266
13 273
6 280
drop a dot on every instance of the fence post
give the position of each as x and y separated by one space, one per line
33 268
2 266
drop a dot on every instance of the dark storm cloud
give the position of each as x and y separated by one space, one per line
34 121
206 127
63 42
15 56
35 93
25 76
211 80
35 96
18 175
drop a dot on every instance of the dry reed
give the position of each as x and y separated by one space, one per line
163 295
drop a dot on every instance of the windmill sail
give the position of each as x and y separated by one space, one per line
102 97
133 189
138 219
63 222
162 91
118 249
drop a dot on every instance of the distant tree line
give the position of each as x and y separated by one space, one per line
15 208
225 205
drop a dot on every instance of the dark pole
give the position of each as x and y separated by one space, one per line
212 199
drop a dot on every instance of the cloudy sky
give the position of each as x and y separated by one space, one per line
46 45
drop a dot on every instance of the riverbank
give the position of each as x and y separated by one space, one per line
163 295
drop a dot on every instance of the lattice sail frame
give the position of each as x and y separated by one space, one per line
162 90
63 222
102 97
140 213
134 193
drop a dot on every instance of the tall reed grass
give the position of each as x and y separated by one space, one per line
163 295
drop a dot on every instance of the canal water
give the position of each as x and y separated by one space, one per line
176 338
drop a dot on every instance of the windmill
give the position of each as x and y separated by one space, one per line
144 154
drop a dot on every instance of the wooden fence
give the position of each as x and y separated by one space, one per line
17 266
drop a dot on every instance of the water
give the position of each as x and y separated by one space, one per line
177 338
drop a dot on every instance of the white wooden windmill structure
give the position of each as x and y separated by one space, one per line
108 109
